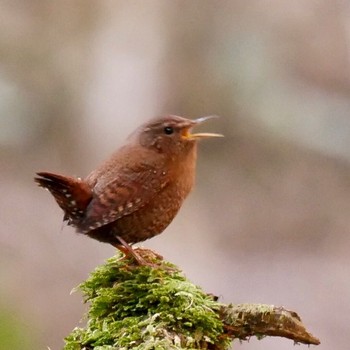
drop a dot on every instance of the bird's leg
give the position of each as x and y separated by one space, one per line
127 250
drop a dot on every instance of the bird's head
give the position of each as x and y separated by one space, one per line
172 134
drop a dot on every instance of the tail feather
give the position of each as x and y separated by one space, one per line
72 195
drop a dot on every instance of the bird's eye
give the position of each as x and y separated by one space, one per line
168 130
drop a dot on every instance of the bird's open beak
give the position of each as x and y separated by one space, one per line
188 134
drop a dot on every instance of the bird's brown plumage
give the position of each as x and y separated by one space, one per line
135 194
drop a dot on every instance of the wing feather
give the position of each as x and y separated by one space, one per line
129 191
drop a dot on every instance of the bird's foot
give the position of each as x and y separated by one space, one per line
128 251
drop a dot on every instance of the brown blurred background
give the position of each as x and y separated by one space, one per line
269 220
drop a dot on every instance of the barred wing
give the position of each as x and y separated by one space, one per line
127 193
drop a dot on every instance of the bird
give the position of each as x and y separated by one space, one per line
137 192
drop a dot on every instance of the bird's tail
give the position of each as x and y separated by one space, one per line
72 194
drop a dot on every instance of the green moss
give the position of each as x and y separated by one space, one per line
142 307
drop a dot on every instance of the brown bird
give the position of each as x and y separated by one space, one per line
135 194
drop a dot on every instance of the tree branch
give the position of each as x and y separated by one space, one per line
156 307
245 320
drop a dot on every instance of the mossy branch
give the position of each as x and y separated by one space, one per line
156 307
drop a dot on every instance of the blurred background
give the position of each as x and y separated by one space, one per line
269 219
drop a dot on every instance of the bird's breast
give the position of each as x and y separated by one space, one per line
155 216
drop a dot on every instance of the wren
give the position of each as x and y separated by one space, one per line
136 193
